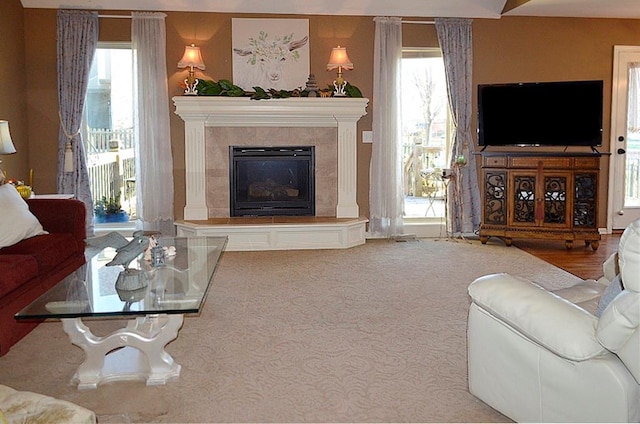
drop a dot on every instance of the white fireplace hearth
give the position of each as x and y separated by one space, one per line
213 124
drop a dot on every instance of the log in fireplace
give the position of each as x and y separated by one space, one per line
272 181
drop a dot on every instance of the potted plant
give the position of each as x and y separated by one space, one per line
109 210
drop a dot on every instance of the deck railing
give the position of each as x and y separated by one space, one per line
100 140
421 170
111 165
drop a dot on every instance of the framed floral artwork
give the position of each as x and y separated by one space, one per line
270 53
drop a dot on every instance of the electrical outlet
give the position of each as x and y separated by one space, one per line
367 136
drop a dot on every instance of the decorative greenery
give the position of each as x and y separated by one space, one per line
262 94
352 90
108 206
219 88
227 88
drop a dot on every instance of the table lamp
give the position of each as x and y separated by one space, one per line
339 60
6 145
191 59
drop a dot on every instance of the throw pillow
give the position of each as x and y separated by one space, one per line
613 289
16 220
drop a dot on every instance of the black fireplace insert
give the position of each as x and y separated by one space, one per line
272 181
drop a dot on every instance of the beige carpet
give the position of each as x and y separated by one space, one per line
371 334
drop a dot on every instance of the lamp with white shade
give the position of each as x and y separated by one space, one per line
339 60
6 145
192 58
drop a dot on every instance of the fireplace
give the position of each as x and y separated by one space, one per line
272 181
214 123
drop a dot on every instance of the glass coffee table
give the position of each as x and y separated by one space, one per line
170 290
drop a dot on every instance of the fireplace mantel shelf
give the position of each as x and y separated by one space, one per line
292 112
200 112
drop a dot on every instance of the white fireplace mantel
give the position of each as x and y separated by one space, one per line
199 112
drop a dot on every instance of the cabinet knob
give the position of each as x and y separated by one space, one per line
621 151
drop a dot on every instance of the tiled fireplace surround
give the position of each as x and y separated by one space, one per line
218 140
212 124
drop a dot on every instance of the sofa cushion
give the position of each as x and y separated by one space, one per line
17 221
612 290
28 407
585 294
49 250
629 256
15 270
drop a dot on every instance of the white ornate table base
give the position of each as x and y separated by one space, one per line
135 352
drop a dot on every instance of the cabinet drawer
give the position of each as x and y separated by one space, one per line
547 162
589 163
494 161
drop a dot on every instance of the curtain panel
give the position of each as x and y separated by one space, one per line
386 196
455 38
77 39
633 108
154 162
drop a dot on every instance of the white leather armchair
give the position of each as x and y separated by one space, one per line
537 357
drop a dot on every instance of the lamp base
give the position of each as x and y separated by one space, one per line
339 89
191 87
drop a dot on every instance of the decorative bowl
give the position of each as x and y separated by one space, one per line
24 190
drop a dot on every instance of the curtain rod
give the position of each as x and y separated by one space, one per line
129 17
115 16
419 22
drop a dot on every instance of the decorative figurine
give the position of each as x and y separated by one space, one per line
157 256
155 253
153 242
311 89
130 278
169 251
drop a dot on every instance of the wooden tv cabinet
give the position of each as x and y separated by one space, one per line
540 195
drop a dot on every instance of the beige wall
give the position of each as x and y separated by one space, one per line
505 50
13 103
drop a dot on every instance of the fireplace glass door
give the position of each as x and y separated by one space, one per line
272 181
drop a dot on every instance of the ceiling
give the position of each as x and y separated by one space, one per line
403 8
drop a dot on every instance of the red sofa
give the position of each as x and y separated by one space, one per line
30 267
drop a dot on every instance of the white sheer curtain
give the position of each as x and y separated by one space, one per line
154 163
455 38
386 196
633 110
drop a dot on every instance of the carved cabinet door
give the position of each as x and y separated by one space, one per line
540 199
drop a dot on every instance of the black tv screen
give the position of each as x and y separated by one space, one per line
567 113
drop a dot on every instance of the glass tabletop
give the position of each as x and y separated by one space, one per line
177 286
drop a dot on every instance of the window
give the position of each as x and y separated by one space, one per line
109 134
425 132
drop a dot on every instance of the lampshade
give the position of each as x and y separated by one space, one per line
339 59
6 145
192 58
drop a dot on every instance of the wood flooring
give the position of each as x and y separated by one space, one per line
581 261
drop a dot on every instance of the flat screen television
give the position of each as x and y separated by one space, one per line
567 113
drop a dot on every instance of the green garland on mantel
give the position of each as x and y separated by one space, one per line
227 88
